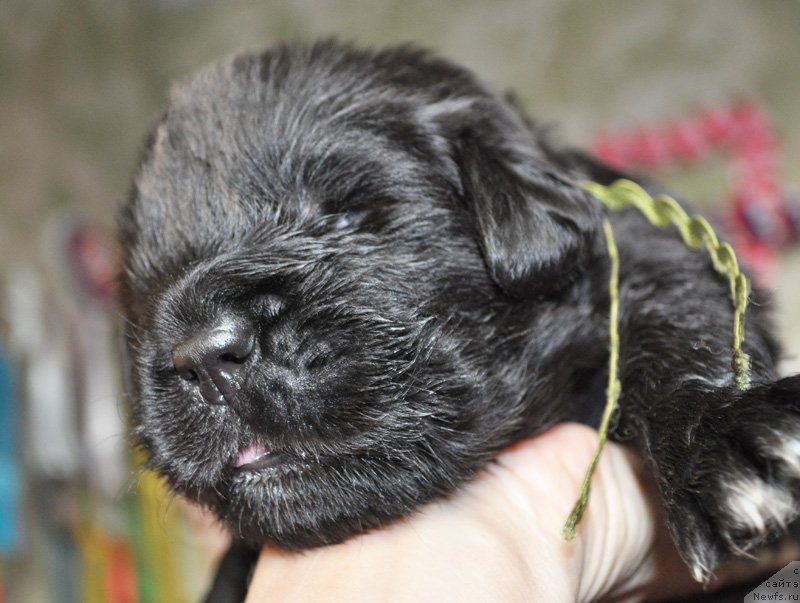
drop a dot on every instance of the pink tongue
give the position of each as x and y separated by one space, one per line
249 454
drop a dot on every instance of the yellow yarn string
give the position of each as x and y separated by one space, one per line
696 232
612 391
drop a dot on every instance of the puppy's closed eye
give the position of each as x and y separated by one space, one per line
363 213
347 219
349 211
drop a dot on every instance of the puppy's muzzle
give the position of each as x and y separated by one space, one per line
213 359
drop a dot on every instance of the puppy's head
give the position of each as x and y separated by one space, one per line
329 256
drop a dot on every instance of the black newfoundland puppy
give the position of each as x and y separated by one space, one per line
352 277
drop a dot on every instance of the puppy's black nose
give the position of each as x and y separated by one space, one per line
214 359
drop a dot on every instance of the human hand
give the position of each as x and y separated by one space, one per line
499 539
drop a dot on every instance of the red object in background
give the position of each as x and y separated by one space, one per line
757 217
91 251
120 580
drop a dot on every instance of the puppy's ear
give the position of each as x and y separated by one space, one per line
537 228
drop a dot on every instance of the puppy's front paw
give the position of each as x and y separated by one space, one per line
734 484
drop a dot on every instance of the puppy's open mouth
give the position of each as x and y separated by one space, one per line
259 456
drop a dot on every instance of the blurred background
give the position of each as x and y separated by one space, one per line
704 95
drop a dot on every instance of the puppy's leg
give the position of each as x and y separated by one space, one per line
729 468
727 461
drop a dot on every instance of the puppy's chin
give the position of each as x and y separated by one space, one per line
300 503
296 500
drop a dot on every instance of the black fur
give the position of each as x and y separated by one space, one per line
425 283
